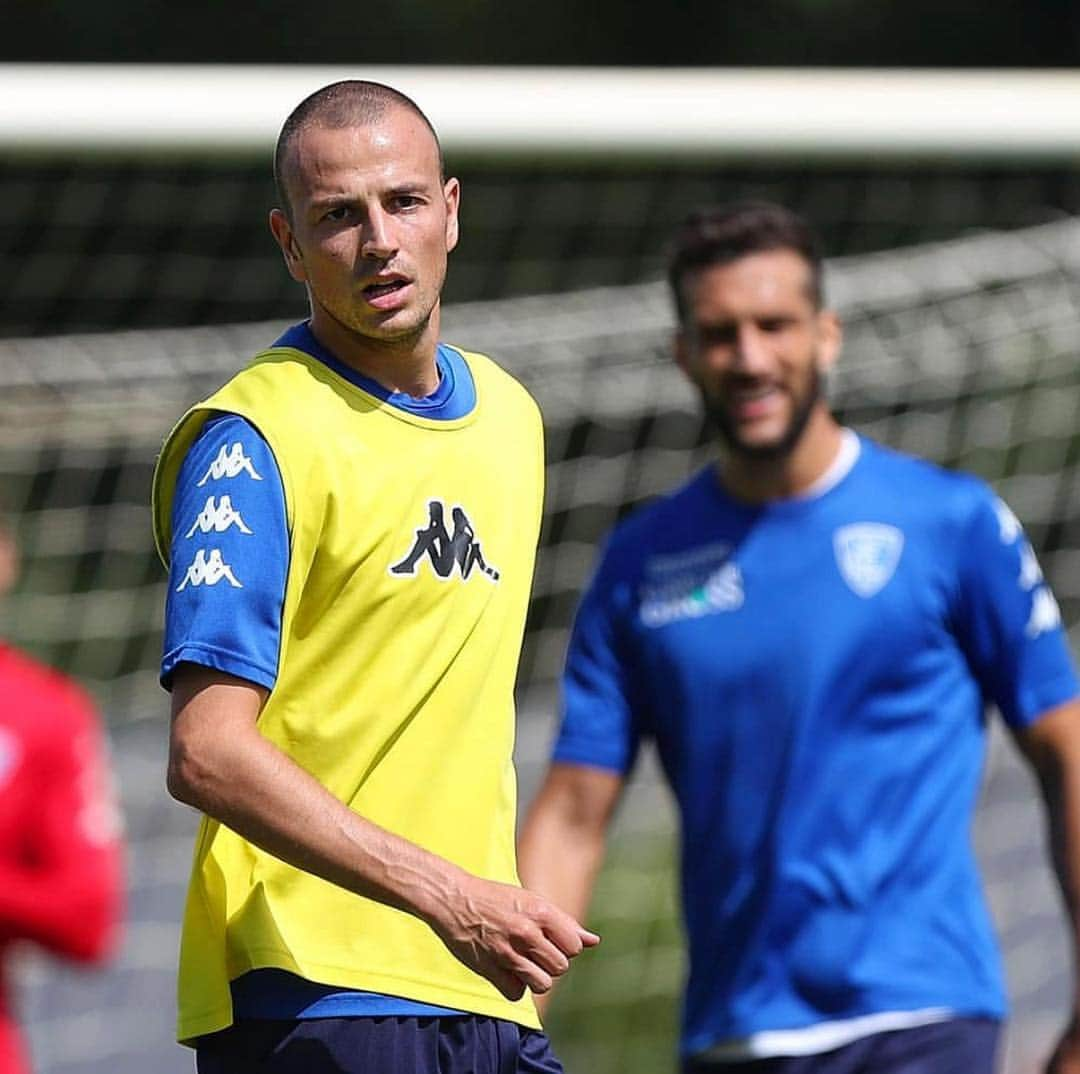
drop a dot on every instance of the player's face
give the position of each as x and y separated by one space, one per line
372 224
755 346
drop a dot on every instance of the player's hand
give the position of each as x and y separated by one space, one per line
1066 1056
514 938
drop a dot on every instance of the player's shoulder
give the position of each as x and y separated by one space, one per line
490 377
281 384
40 696
651 526
925 486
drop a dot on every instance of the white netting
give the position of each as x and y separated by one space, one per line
963 352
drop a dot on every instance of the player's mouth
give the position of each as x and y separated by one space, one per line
387 293
753 402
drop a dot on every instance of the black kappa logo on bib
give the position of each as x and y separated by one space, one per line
446 550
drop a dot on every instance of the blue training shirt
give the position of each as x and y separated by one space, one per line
228 568
813 672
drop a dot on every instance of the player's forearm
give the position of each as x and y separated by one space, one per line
1061 789
560 858
220 763
249 785
511 937
1053 747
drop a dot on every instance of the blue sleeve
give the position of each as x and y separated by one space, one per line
600 725
229 558
1008 621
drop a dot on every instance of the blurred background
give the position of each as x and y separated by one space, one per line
137 271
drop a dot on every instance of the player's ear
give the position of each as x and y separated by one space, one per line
452 194
830 338
290 249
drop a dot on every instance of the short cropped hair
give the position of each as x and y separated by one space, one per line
721 234
349 103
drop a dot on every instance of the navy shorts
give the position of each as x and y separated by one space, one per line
458 1044
958 1046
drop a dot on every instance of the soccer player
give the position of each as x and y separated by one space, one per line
60 848
350 525
808 631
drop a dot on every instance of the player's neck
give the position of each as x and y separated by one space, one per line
399 365
758 479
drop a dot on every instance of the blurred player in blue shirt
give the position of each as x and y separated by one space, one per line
809 632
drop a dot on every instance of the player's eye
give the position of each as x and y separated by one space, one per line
337 213
774 324
404 202
719 335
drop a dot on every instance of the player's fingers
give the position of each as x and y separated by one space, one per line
538 949
535 978
570 937
529 961
588 939
509 984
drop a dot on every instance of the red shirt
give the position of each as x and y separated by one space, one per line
60 838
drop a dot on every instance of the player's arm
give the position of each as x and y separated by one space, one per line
563 838
221 764
564 835
64 891
1052 745
1010 628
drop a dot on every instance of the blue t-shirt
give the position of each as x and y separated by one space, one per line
813 672
228 568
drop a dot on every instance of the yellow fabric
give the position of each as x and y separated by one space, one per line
394 690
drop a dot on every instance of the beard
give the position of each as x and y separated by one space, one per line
721 423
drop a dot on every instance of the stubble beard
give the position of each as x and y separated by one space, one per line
396 338
721 423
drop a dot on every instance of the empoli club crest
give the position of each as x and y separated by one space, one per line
868 554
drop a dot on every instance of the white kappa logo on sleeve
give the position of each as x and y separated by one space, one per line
1009 528
208 570
868 554
1045 613
230 463
217 516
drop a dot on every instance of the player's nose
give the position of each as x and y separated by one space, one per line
751 354
378 239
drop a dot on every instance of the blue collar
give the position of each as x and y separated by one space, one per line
454 397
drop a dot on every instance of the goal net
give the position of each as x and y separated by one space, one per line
962 351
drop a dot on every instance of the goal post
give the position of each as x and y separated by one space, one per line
506 112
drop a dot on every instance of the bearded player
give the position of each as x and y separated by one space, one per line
809 631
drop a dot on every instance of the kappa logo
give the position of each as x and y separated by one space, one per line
230 462
1045 613
208 570
868 554
1009 528
1044 616
445 550
217 516
1030 572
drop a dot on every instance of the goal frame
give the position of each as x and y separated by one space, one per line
581 112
